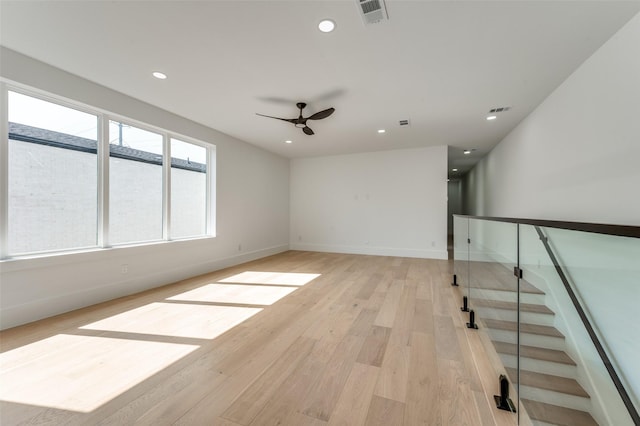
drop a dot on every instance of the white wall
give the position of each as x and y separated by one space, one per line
252 212
382 203
454 203
576 157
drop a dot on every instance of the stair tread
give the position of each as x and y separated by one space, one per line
512 306
525 287
496 276
548 382
557 415
544 330
534 352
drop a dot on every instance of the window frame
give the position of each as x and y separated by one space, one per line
103 155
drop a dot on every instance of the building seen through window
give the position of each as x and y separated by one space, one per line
53 194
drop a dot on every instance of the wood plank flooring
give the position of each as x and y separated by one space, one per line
299 338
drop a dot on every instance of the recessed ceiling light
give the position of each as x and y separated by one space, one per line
381 131
467 151
287 141
491 117
159 75
326 25
454 170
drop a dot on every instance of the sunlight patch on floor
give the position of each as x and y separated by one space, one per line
271 278
80 373
176 319
239 294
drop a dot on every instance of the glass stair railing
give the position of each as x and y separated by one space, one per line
554 304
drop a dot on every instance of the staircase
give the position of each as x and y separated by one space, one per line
548 389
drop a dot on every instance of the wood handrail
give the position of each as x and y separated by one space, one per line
597 228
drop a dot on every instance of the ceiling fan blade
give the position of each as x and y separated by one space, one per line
290 120
322 114
301 122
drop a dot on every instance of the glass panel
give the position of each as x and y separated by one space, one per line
135 184
603 273
188 189
539 341
493 295
533 331
461 251
49 147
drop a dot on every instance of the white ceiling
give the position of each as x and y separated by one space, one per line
441 64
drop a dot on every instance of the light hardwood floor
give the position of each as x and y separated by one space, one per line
299 338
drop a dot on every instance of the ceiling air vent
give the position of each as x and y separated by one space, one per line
373 11
403 122
500 109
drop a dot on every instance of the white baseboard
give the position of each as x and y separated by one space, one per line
373 251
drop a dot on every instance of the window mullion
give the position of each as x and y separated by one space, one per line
4 171
211 192
103 180
166 187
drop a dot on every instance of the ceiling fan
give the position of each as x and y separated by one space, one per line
301 122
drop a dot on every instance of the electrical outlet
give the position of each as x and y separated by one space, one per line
124 268
239 247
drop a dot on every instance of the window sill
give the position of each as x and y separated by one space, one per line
46 259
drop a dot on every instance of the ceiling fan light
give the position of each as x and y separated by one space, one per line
326 25
288 141
491 117
381 131
159 75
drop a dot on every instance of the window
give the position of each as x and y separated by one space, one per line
135 184
72 186
188 189
49 208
